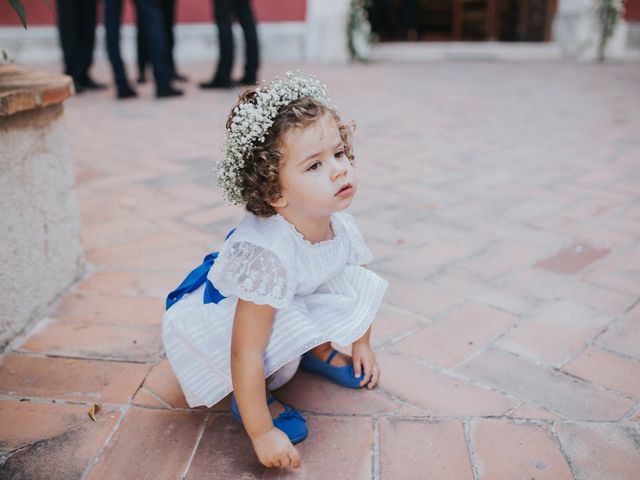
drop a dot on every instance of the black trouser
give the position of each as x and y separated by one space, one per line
153 32
224 11
77 28
168 9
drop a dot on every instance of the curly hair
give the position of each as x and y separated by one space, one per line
260 177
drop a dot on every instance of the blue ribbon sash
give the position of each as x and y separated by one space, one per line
195 279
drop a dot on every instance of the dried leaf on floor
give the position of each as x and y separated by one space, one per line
95 408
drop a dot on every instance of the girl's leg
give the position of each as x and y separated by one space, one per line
283 375
277 380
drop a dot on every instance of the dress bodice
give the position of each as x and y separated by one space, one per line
268 261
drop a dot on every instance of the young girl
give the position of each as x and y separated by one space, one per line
288 280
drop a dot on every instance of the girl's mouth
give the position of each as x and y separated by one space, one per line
345 191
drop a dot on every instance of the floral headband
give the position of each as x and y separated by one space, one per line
251 121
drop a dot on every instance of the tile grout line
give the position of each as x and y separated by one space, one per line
551 368
59 401
196 445
554 434
402 403
494 342
155 396
405 311
602 388
27 353
470 450
91 465
453 374
391 341
631 412
375 453
31 329
626 356
150 368
10 453
99 323
591 343
521 319
632 305
472 298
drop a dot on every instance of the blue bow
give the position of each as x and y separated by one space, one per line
291 413
197 277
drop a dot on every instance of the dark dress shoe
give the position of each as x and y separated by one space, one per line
166 91
215 84
178 77
77 86
89 84
126 92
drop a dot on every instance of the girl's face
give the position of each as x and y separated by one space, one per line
316 177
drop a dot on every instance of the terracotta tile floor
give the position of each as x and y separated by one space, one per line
502 202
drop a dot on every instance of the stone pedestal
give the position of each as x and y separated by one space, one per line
40 247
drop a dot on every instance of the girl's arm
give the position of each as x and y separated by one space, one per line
251 329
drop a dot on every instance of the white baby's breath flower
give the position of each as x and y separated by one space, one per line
250 123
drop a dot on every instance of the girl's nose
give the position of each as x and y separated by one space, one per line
339 169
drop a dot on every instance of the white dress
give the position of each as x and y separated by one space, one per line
320 292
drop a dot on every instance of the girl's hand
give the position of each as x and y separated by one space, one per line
364 358
274 449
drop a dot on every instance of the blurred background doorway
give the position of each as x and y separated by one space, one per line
463 20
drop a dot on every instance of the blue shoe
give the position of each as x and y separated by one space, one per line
343 376
291 421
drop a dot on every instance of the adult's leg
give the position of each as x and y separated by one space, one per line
112 19
224 21
142 49
67 29
168 8
86 37
154 36
252 54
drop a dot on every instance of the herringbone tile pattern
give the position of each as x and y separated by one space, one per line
502 202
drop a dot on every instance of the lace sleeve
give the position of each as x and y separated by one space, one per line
252 273
359 253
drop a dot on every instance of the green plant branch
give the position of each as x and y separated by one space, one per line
19 9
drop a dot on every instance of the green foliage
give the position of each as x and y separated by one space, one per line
19 8
608 12
358 26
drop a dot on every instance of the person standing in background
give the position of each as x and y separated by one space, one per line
77 29
225 10
168 9
154 36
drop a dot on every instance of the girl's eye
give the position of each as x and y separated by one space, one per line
314 166
339 154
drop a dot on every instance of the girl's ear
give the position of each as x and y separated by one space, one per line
281 202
